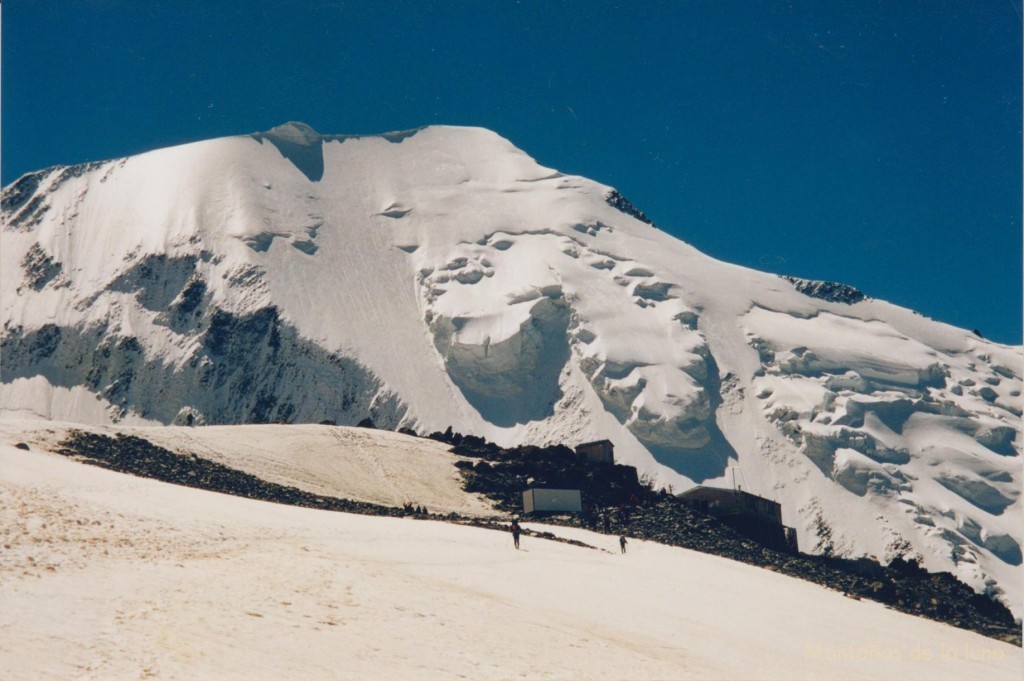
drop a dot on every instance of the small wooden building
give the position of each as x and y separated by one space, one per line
748 514
599 451
540 500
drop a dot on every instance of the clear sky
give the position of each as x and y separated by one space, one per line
873 143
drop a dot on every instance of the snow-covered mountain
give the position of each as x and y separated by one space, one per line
441 277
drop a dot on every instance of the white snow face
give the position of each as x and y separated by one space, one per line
441 277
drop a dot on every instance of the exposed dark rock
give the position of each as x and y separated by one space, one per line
66 173
22 202
907 567
40 268
157 280
191 296
988 394
250 368
624 205
826 290
23 206
16 195
43 344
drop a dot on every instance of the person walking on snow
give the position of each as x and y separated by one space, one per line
515 531
622 543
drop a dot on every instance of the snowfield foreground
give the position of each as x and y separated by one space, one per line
108 576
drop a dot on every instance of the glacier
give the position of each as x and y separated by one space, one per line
440 276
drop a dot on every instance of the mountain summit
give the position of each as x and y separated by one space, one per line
440 276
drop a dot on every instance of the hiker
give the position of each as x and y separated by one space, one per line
515 531
622 543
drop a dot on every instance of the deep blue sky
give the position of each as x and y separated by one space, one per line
876 144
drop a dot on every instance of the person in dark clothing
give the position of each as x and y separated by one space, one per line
622 544
516 530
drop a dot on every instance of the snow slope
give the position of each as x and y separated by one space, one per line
441 277
377 467
107 576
